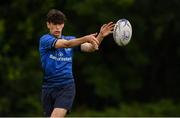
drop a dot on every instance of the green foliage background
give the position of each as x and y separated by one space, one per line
140 79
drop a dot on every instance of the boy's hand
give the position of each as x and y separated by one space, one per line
93 40
106 29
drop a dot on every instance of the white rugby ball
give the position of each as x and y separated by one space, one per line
122 32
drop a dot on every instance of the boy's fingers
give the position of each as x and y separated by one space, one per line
95 39
95 45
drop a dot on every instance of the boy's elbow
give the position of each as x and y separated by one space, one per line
92 50
87 47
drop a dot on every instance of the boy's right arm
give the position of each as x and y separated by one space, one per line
62 43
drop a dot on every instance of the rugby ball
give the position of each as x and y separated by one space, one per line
122 32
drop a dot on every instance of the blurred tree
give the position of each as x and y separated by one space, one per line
147 69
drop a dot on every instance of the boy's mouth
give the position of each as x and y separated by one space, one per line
57 32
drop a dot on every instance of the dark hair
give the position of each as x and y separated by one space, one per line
55 16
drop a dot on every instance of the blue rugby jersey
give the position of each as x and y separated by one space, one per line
56 63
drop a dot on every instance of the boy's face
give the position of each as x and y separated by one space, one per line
55 29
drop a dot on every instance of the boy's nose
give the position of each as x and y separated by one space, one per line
57 26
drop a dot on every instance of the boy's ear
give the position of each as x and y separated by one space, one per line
47 23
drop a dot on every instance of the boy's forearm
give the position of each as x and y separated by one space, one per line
61 43
76 42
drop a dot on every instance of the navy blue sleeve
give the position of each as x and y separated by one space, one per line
47 42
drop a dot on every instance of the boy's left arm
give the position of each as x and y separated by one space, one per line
105 30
